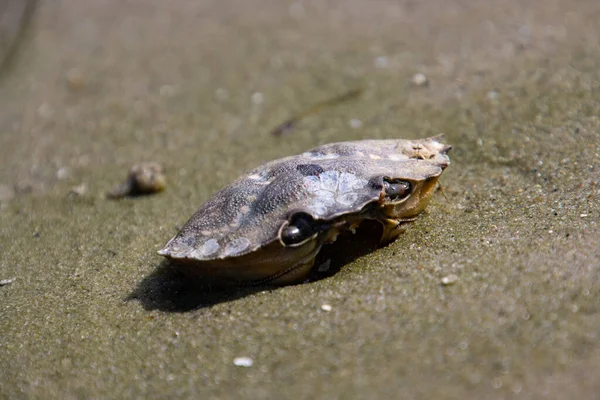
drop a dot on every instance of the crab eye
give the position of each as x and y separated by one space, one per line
397 190
298 231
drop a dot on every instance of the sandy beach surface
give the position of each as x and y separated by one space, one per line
494 293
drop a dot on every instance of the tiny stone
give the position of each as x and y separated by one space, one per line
496 383
356 123
243 362
381 62
143 178
583 215
62 173
449 280
75 79
326 307
257 98
420 79
5 282
78 190
493 95
574 308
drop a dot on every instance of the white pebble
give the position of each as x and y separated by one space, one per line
5 282
420 79
243 362
493 95
62 173
583 215
381 62
449 280
356 123
326 307
257 98
496 383
78 190
574 308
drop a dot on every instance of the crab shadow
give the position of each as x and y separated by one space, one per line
167 289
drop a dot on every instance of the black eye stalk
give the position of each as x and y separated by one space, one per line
299 230
398 190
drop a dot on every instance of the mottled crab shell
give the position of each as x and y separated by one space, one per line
325 182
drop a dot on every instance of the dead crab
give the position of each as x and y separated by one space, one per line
269 225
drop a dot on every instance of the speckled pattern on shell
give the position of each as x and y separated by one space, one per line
325 182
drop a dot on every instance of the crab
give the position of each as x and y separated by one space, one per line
268 226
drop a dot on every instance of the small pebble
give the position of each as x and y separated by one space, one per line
496 383
5 282
449 280
574 308
420 79
257 98
381 62
243 362
75 79
62 173
326 307
143 178
493 95
356 123
583 215
78 190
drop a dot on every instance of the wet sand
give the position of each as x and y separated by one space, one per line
89 310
